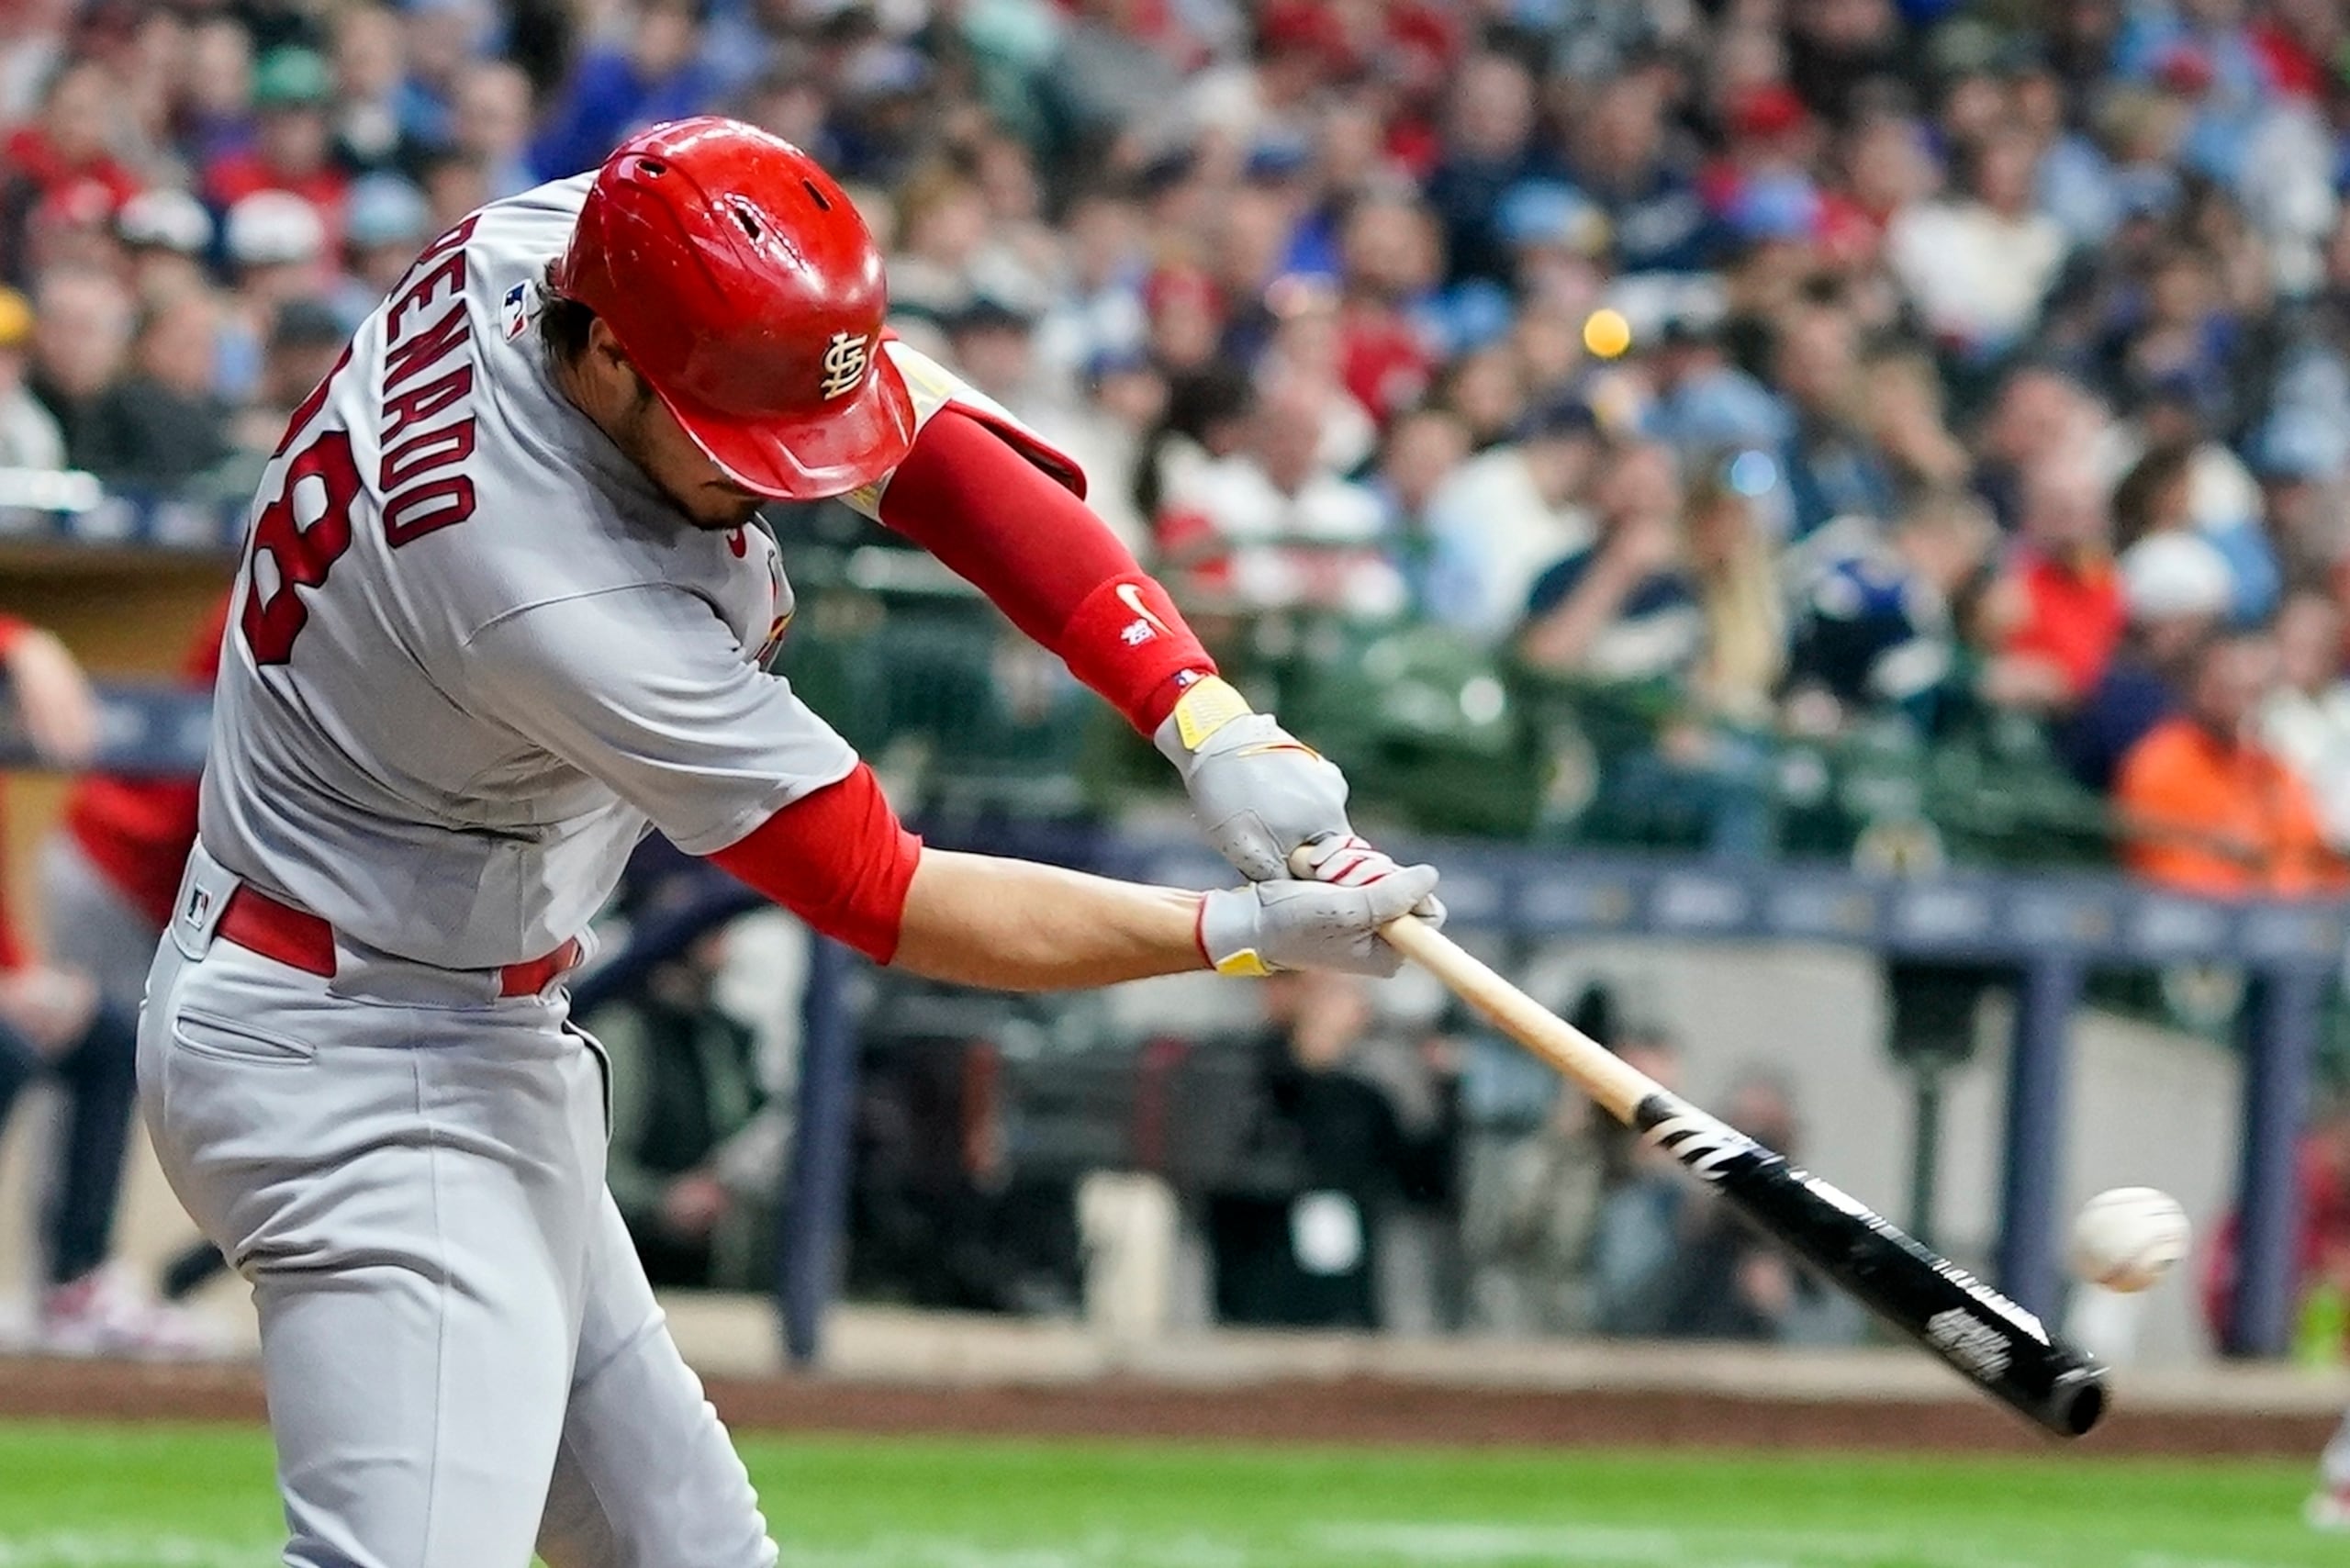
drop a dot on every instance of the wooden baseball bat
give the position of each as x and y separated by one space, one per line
1986 1338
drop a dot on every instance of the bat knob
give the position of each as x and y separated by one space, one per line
2076 1402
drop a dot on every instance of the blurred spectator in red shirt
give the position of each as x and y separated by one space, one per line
56 1022
1887 166
73 139
59 162
1389 254
126 840
2067 599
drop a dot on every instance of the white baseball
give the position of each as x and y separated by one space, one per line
2128 1237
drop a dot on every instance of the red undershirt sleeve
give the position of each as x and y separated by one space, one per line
837 859
1047 561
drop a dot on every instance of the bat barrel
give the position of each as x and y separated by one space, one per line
1980 1333
1988 1338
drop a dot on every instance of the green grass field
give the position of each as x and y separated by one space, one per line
199 1497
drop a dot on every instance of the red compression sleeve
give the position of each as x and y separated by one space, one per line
838 859
1001 524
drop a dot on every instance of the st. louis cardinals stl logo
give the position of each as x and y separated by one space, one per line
845 363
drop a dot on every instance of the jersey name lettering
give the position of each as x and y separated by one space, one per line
420 495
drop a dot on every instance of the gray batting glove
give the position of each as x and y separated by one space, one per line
1258 790
1261 794
1309 925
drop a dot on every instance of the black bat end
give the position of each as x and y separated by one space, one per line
2075 1404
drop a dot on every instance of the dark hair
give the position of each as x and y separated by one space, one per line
563 324
2214 641
2135 496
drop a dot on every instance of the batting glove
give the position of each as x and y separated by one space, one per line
1309 925
1258 790
1260 794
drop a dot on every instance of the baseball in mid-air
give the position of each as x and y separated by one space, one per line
1606 333
2128 1237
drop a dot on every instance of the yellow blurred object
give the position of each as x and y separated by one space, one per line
1607 333
16 319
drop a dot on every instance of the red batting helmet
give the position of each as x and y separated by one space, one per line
748 294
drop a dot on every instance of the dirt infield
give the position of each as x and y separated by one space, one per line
1345 1410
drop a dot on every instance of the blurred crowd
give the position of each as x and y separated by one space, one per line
1824 364
1816 367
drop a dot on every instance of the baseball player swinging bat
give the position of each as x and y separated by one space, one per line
1990 1339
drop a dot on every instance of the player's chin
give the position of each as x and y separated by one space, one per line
719 513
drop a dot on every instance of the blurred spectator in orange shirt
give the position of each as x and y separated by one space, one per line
2208 808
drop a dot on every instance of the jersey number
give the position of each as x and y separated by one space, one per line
323 480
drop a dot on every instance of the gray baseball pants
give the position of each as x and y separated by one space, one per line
462 1356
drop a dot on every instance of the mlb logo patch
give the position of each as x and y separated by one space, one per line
514 310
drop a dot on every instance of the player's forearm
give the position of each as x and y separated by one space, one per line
1015 925
1044 559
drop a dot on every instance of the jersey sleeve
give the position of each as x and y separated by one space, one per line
646 688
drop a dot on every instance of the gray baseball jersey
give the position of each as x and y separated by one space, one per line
473 654
476 652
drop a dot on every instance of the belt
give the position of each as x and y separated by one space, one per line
300 940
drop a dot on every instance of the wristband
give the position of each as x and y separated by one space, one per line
1232 913
1206 706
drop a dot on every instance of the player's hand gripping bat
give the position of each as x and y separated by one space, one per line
1985 1336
